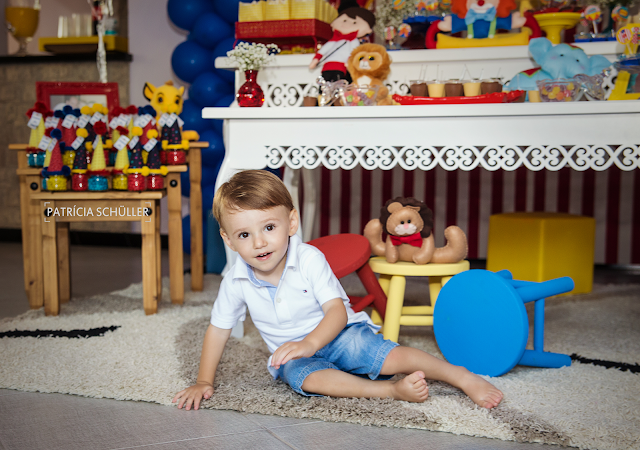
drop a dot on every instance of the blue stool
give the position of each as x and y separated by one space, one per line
480 322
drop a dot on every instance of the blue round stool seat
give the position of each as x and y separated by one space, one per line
480 322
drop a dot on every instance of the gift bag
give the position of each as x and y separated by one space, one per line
277 10
251 12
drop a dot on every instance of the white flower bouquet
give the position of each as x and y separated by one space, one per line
252 56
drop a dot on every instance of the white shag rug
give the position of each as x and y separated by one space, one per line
150 358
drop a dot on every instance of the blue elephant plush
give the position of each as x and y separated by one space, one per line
561 61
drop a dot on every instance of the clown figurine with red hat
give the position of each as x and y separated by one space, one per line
79 177
352 24
98 173
137 172
157 172
56 173
119 179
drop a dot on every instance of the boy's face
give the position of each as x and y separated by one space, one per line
261 238
345 25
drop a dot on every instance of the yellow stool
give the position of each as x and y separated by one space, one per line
539 246
393 282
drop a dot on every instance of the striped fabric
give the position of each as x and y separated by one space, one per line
349 199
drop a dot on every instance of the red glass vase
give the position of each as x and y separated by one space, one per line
250 93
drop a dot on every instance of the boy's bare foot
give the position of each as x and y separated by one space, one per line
482 392
412 388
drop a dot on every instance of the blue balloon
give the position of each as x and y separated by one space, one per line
223 102
192 116
184 13
185 187
209 175
189 59
186 234
210 29
227 9
207 89
212 155
221 51
216 257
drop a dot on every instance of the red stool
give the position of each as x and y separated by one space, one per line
347 253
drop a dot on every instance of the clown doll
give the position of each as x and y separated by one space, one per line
352 23
481 18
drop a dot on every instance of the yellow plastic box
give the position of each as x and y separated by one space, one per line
538 246
277 10
251 12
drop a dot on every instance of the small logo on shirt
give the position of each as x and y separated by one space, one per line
304 291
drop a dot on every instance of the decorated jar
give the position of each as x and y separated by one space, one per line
35 158
176 157
98 183
56 183
136 182
79 182
119 182
155 182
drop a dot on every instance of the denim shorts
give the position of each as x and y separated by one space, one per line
356 350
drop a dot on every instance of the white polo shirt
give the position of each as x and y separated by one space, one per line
307 283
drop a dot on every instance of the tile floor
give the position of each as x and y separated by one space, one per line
30 421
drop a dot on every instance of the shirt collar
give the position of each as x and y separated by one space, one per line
242 268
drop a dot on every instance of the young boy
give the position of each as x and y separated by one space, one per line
319 345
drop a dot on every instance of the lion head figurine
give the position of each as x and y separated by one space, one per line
406 217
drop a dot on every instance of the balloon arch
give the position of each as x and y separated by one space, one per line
210 24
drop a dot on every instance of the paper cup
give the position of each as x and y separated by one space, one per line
454 88
436 89
418 88
534 97
490 86
472 88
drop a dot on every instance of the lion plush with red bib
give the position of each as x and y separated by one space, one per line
408 223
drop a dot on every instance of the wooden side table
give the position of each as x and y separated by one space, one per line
32 220
58 209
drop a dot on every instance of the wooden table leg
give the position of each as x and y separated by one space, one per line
195 178
158 253
24 217
50 260
149 262
395 299
176 259
64 272
35 212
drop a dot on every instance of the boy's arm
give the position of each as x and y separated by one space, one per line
214 342
333 322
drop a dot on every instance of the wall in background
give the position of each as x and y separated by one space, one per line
152 38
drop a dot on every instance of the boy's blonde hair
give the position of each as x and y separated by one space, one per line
251 189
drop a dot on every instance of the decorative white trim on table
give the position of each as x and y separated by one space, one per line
535 158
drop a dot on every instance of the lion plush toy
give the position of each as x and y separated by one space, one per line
408 223
369 64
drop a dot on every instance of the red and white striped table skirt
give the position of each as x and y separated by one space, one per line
349 199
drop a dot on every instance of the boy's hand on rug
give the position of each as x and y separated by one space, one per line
292 350
193 395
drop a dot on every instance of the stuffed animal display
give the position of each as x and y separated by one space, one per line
352 24
560 61
408 223
369 64
482 18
